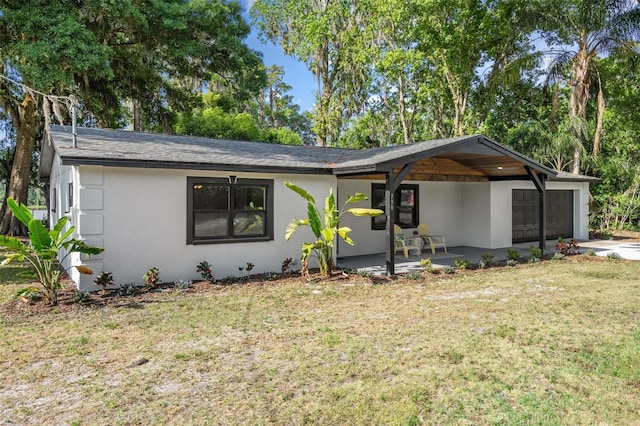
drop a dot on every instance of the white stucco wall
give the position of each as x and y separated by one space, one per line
501 199
469 214
139 216
476 214
60 178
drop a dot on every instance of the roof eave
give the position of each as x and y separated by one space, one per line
149 164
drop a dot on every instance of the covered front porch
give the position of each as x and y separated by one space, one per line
376 263
462 188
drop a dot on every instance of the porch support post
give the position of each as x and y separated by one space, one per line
390 208
540 182
392 184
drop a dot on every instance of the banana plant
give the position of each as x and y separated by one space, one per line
43 249
325 231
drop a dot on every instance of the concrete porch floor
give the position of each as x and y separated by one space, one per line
376 264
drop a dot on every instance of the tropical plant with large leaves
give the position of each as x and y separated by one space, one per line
43 250
325 231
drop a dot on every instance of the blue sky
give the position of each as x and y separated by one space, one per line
296 73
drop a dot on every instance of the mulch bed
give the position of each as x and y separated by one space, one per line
16 308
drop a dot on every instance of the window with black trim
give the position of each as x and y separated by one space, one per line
406 201
54 199
229 210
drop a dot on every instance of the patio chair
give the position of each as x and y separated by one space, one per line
404 244
433 240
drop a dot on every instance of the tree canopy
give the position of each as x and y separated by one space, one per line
128 61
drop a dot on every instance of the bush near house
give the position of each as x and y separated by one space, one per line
43 249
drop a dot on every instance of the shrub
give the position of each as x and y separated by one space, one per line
535 252
613 256
365 274
591 252
533 259
152 277
182 284
270 276
448 270
558 256
128 289
512 262
482 265
427 264
205 271
413 275
462 264
513 254
104 279
569 248
488 258
286 265
44 248
81 296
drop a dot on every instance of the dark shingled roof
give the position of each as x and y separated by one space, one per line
139 149
113 147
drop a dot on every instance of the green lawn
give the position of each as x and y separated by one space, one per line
551 343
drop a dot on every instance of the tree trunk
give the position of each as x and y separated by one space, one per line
459 103
26 125
135 106
402 107
324 80
578 100
599 121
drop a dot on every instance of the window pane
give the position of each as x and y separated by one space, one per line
208 197
210 224
406 197
405 216
377 198
380 221
249 197
248 223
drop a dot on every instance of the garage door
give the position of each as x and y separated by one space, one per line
525 215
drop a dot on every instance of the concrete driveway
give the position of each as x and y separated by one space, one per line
626 250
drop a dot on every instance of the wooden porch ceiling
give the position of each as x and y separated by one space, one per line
459 167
